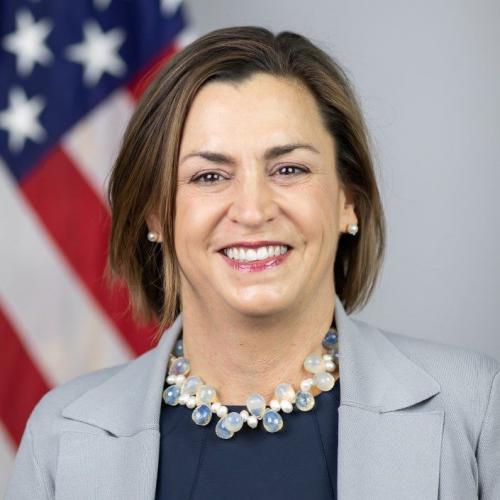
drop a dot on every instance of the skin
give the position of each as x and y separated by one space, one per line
248 332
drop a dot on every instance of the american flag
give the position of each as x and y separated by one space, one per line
70 73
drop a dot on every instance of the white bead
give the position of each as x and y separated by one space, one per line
286 406
183 398
252 421
306 384
191 385
284 391
215 406
327 357
191 402
244 415
314 363
330 366
324 381
206 394
275 405
179 379
222 411
171 379
256 405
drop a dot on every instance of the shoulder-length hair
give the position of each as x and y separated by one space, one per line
144 177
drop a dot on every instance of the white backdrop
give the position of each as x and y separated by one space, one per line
428 76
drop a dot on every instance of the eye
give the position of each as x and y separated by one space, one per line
215 177
291 167
208 178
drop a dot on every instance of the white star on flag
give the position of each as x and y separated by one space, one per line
98 53
169 7
20 119
27 42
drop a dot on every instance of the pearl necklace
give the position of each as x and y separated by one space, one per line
192 392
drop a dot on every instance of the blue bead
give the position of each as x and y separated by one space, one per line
330 339
272 421
180 366
171 395
179 349
202 415
233 421
304 401
221 430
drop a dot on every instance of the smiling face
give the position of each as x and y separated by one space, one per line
256 163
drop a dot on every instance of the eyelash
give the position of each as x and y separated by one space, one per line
197 179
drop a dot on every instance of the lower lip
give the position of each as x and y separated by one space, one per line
257 265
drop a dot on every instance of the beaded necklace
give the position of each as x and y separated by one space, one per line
191 391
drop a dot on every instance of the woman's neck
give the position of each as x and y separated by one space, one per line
241 356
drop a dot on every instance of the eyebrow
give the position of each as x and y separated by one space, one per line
269 154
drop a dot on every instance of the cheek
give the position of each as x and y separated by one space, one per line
183 214
316 210
193 221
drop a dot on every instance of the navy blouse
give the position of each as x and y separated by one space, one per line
298 462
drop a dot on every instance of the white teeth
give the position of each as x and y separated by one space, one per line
262 253
252 254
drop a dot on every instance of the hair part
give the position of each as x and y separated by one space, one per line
143 179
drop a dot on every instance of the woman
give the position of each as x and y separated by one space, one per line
247 219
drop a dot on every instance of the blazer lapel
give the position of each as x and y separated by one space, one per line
109 445
116 458
384 452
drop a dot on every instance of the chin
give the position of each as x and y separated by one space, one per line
260 306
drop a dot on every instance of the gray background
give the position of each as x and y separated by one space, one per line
428 77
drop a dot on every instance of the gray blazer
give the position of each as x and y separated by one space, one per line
417 420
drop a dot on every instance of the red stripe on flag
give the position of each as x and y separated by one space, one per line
21 384
143 78
79 223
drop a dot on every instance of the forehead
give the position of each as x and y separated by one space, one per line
261 110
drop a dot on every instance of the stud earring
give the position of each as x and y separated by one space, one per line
152 236
352 229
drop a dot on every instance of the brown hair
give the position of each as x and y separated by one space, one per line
144 177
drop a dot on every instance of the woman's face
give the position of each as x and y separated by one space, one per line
236 185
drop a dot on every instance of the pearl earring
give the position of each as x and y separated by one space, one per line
352 229
152 236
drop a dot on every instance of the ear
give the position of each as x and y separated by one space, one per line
153 223
347 214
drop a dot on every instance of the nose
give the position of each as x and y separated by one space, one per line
253 203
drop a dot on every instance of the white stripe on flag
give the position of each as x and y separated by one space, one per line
57 321
94 141
7 454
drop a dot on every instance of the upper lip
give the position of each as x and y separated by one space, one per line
254 244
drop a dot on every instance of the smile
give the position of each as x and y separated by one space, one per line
249 266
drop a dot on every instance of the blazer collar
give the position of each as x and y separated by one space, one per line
375 376
374 373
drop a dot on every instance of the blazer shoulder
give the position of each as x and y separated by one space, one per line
466 376
437 357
